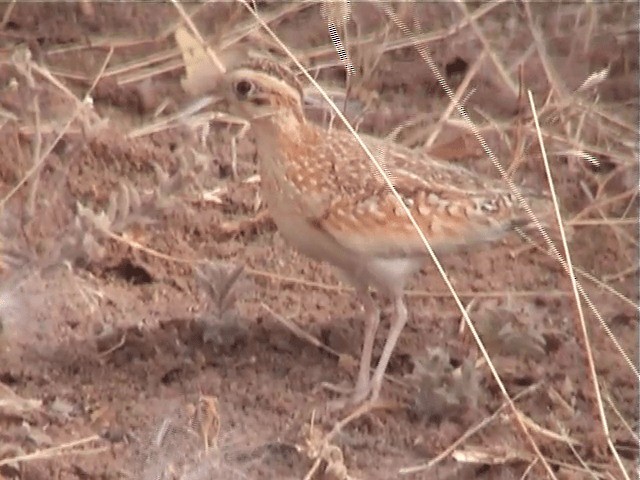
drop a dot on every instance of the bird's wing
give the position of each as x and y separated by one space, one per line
453 206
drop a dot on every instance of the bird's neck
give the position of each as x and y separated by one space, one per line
281 129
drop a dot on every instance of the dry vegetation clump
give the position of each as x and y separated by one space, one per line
445 392
112 153
187 446
223 326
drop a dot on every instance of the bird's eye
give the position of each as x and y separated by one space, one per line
243 88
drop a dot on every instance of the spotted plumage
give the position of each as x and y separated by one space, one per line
329 204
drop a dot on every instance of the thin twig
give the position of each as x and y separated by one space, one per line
468 434
556 255
303 335
52 145
504 74
7 14
460 92
426 56
581 325
624 422
187 19
57 451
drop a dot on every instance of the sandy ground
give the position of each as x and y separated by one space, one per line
114 343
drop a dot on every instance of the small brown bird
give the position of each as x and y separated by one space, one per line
329 203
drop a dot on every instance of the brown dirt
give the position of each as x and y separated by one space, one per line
122 344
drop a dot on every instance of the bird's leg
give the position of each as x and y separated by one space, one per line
397 324
363 384
372 320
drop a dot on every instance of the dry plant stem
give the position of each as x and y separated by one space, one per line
59 72
7 14
557 256
576 468
410 293
424 53
601 185
46 73
518 150
357 413
196 33
462 322
314 468
300 333
612 223
37 151
601 203
143 62
100 42
337 428
471 73
614 155
242 30
594 310
632 202
504 74
117 346
604 221
582 462
137 76
337 288
234 153
52 452
620 275
581 325
525 474
173 120
401 43
318 460
506 455
170 29
624 422
79 105
468 434
341 50
555 396
172 57
548 433
552 75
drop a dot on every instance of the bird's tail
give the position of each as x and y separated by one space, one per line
543 218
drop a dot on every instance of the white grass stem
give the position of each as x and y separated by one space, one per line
574 285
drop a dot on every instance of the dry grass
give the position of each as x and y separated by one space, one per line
191 443
562 119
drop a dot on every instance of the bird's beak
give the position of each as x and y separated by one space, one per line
220 102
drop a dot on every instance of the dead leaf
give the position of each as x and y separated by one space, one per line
202 74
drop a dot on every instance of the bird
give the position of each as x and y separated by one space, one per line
333 206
